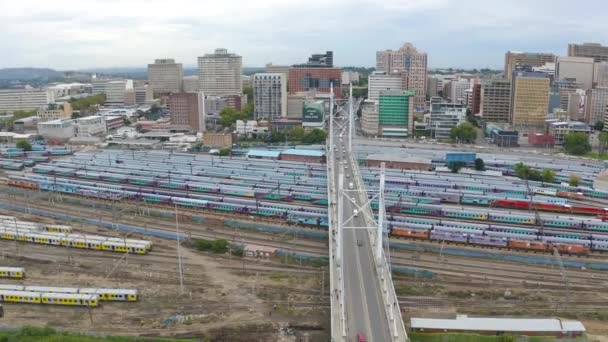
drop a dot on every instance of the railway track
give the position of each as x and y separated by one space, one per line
188 229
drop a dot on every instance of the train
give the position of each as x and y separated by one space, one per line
71 299
94 242
12 272
553 207
529 241
105 294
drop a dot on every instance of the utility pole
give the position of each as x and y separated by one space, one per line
179 254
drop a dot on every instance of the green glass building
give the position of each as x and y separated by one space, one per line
395 112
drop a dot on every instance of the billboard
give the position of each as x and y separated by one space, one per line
313 114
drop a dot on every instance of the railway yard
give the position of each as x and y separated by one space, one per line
107 220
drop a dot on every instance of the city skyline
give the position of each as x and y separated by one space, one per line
464 34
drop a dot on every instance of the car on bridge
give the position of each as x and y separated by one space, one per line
360 337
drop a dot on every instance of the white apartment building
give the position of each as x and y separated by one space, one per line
458 90
54 112
380 81
91 126
597 100
269 96
143 95
190 84
600 74
165 76
12 100
220 73
370 121
116 92
57 130
579 68
349 77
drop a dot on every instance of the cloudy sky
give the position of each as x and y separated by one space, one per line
74 34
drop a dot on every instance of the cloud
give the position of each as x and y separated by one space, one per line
76 34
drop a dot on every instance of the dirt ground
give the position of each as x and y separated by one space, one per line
224 298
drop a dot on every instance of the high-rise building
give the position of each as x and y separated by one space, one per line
143 94
317 79
396 112
220 73
600 74
349 77
458 90
278 69
165 76
513 59
319 60
432 86
25 99
269 96
593 50
597 100
475 104
579 69
529 100
379 81
187 109
190 84
369 118
411 65
495 100
116 92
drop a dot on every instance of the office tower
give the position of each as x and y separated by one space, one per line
379 81
495 100
220 73
600 74
369 118
597 100
579 69
269 96
513 59
396 112
190 84
475 104
529 100
25 99
278 69
143 94
165 76
592 50
302 79
116 92
432 85
349 77
458 90
187 109
411 65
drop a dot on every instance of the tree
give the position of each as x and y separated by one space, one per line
359 92
296 134
522 170
455 166
249 92
480 165
599 126
316 136
577 143
248 110
548 175
229 115
464 133
277 136
225 152
603 142
574 180
24 144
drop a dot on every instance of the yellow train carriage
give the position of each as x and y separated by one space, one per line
70 299
20 297
12 272
113 295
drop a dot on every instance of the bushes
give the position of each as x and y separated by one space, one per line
214 246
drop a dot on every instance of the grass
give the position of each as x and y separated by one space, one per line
46 334
595 155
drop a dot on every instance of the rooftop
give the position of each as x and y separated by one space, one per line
393 158
263 154
498 324
308 153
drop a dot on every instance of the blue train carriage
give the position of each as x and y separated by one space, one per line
465 214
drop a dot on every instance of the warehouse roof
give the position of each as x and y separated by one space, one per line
308 153
462 322
263 154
